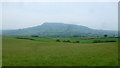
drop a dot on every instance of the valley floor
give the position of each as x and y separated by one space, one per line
22 52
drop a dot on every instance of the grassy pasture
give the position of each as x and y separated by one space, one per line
48 52
81 40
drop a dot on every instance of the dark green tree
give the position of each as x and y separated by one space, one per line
57 40
105 35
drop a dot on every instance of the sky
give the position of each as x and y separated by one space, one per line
96 15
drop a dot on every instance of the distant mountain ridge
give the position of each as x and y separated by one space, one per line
59 30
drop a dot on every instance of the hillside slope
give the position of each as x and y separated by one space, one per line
59 30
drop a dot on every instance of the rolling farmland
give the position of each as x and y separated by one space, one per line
48 52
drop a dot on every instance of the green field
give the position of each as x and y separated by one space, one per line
48 52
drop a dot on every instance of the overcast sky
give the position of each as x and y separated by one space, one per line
96 15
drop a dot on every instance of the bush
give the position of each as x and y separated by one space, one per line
111 41
31 39
77 42
57 40
35 36
66 41
99 41
21 38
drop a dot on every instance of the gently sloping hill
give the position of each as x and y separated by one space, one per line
61 30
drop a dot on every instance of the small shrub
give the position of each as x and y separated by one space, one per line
99 41
34 36
66 40
21 38
111 41
77 41
24 38
57 40
31 39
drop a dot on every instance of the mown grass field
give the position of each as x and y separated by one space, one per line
48 52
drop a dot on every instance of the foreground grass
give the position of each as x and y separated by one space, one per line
22 52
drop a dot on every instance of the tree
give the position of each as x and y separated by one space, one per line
35 36
105 35
68 41
57 40
77 41
75 35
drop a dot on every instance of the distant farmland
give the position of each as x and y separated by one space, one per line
30 51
